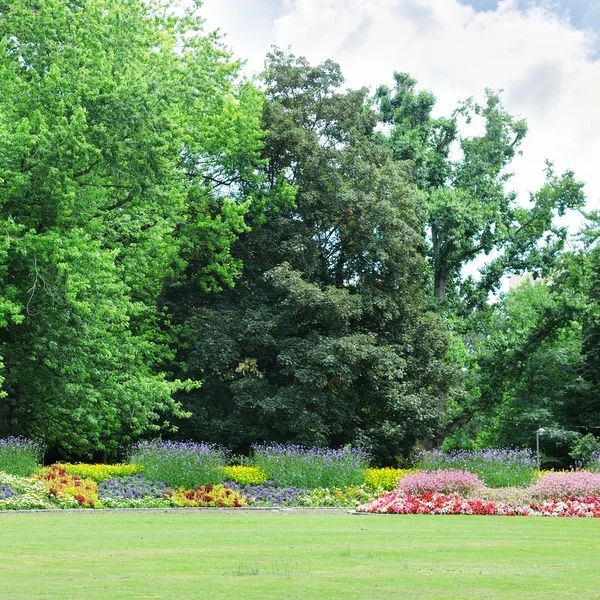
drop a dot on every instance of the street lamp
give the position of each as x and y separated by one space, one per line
539 432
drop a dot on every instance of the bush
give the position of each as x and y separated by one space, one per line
496 467
184 464
20 456
294 465
445 481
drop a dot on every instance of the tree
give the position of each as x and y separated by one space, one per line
125 135
325 339
469 211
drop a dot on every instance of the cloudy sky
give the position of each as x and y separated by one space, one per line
544 54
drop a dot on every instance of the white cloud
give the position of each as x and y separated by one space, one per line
545 66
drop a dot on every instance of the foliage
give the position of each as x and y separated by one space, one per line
326 340
185 464
386 478
293 465
126 133
445 481
101 472
245 475
495 467
208 496
20 456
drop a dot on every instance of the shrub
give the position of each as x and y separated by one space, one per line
444 481
214 496
185 464
386 478
20 456
565 484
496 467
101 472
293 465
245 475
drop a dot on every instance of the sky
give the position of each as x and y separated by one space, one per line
544 54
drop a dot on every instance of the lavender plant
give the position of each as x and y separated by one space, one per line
180 464
20 456
132 487
293 465
501 467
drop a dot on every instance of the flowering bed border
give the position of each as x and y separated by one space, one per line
454 504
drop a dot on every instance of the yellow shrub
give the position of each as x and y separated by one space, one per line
386 478
245 475
101 472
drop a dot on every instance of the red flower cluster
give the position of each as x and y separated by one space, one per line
454 504
214 496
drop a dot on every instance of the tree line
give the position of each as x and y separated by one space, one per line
188 253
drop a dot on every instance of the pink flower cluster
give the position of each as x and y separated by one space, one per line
561 485
445 481
453 504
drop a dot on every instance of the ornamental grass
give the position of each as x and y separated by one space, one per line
186 464
20 456
293 465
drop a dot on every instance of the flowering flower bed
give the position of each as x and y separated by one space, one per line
214 496
442 480
453 504
245 475
386 478
101 472
267 493
72 489
19 456
132 487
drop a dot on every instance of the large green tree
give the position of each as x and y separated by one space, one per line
125 133
325 339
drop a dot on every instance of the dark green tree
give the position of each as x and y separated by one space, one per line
325 339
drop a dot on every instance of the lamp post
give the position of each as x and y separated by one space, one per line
539 432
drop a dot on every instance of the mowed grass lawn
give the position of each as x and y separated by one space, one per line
211 555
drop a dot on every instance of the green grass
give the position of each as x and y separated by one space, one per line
193 555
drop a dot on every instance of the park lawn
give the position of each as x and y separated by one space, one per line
180 555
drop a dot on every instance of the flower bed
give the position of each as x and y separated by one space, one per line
453 504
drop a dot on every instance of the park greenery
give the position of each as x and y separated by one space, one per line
187 254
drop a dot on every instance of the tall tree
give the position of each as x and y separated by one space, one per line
325 339
125 133
470 212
